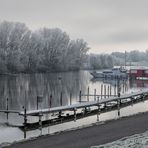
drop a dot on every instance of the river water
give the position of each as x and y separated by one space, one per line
23 89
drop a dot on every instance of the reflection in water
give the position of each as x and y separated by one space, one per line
138 83
28 87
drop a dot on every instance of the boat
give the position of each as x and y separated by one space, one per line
113 73
139 73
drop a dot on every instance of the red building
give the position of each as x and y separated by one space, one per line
139 73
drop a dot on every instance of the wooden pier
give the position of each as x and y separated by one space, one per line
101 104
82 105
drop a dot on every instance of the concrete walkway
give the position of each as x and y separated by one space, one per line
90 136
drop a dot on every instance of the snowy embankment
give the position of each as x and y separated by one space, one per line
135 141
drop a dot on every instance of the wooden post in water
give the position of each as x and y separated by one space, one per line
60 112
50 101
39 100
61 95
108 91
101 90
70 98
37 103
88 94
104 91
115 90
123 87
94 94
7 107
25 121
80 96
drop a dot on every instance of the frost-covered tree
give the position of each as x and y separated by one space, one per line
44 50
100 61
55 44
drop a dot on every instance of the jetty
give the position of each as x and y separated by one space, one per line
83 108
142 93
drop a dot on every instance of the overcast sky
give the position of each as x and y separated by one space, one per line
106 25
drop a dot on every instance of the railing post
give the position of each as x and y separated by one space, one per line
37 103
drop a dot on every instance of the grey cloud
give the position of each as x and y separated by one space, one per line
99 22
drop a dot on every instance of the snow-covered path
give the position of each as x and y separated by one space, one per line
135 141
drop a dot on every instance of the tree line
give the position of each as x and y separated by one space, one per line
101 61
44 50
48 50
132 56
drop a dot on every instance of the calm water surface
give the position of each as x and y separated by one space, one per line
23 90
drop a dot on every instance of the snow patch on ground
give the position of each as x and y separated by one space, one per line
135 141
